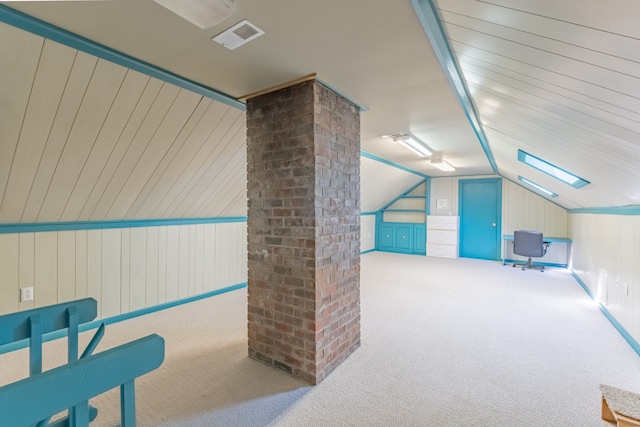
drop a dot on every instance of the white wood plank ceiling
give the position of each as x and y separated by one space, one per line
559 80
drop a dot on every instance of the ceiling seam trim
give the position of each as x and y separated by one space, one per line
390 163
432 26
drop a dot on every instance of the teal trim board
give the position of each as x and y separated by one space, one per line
611 210
390 163
630 340
402 195
432 25
520 262
16 345
51 32
101 225
367 252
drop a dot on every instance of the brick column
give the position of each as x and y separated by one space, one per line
303 155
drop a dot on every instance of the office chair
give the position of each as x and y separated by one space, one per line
530 244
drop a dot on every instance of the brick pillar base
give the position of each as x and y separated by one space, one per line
303 151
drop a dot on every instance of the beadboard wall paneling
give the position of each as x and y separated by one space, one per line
605 257
525 210
367 233
380 183
124 269
84 139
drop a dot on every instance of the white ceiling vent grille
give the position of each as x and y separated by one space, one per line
241 33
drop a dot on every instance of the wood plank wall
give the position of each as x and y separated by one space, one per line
605 258
367 232
124 269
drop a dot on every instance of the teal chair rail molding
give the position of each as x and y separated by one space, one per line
101 225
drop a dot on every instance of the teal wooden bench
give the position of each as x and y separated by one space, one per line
35 399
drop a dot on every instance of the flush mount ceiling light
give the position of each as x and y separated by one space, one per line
241 33
201 13
413 144
442 165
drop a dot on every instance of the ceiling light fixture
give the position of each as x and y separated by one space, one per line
413 144
201 13
442 165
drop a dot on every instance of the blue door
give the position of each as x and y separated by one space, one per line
480 209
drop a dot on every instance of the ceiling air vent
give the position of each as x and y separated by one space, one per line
241 33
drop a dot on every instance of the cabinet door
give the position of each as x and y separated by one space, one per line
386 237
419 239
404 238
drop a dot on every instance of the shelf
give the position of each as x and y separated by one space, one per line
406 210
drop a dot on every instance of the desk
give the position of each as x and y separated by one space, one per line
557 254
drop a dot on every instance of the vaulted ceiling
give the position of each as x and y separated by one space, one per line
83 138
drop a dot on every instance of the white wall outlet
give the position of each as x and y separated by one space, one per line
26 294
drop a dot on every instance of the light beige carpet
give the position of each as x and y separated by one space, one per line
444 343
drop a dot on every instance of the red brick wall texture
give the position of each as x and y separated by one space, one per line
303 152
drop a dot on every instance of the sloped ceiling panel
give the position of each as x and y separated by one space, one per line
83 139
380 183
560 81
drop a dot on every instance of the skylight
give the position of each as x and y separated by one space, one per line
538 187
552 170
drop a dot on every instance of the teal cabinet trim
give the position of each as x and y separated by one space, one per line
401 237
405 195
420 239
630 340
44 29
99 225
405 210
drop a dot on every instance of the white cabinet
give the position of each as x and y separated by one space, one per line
442 236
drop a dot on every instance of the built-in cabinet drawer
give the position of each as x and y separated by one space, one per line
448 237
442 236
437 222
442 251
